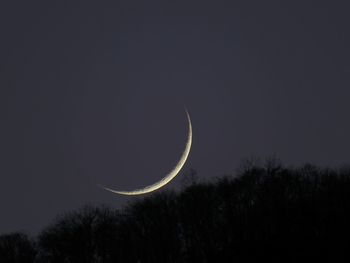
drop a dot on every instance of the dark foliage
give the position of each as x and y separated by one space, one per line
16 248
87 235
267 213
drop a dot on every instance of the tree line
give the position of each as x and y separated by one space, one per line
265 212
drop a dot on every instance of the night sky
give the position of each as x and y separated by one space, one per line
93 92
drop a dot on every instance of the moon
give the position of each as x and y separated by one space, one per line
170 176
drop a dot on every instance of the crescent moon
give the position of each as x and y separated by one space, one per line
170 176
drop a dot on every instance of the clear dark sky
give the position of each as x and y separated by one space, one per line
93 92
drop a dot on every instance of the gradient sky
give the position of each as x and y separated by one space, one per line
93 92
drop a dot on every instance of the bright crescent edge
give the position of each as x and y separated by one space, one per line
169 176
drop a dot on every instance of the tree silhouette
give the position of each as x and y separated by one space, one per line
265 213
197 207
16 248
87 236
151 240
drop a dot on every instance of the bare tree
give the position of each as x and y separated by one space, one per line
16 248
87 236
